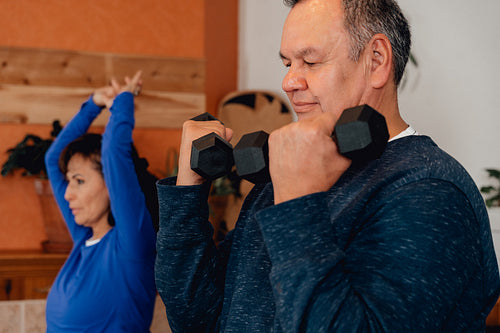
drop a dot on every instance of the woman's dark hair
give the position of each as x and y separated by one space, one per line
147 181
89 147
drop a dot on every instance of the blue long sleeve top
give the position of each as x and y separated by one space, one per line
107 287
401 244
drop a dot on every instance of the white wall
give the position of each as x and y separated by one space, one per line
451 96
260 25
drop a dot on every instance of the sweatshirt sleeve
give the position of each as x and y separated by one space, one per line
401 270
75 128
189 268
128 205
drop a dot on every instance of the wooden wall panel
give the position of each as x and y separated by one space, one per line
162 74
43 67
40 85
42 105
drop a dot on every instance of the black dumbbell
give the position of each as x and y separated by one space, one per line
360 133
251 156
211 155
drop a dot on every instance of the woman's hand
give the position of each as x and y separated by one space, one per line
104 96
132 85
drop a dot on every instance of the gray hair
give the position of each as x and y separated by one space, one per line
365 18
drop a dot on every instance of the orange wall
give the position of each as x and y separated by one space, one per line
154 27
204 29
221 40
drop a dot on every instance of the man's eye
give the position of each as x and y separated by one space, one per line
80 181
309 63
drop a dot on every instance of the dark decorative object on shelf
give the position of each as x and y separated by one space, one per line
29 154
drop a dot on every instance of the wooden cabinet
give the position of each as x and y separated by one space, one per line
494 316
28 275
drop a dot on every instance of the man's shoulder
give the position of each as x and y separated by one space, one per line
417 158
423 156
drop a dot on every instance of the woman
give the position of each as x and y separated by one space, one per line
107 283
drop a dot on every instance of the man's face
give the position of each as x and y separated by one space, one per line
315 48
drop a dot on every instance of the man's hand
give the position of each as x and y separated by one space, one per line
304 159
191 131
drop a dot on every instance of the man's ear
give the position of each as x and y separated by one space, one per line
379 57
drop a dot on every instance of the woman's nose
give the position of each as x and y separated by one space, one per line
68 194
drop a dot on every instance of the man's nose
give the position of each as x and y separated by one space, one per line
294 80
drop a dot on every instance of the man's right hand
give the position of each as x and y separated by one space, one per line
303 158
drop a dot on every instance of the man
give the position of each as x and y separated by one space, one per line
398 244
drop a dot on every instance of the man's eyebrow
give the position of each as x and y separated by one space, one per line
301 53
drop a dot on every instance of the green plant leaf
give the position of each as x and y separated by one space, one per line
487 189
493 173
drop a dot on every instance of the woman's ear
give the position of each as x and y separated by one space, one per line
379 56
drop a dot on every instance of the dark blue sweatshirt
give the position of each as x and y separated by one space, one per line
402 244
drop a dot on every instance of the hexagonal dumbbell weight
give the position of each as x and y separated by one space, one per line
251 156
360 133
211 155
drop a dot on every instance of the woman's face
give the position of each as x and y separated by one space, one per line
86 193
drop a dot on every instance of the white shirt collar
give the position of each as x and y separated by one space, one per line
90 242
407 132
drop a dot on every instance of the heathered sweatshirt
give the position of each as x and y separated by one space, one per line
401 244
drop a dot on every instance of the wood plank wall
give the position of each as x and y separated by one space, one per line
38 86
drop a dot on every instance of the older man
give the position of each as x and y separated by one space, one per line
401 243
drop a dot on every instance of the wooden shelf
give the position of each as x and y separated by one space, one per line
28 275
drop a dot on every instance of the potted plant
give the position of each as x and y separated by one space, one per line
492 191
28 156
218 201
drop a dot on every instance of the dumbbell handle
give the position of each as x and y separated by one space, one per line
205 117
360 134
